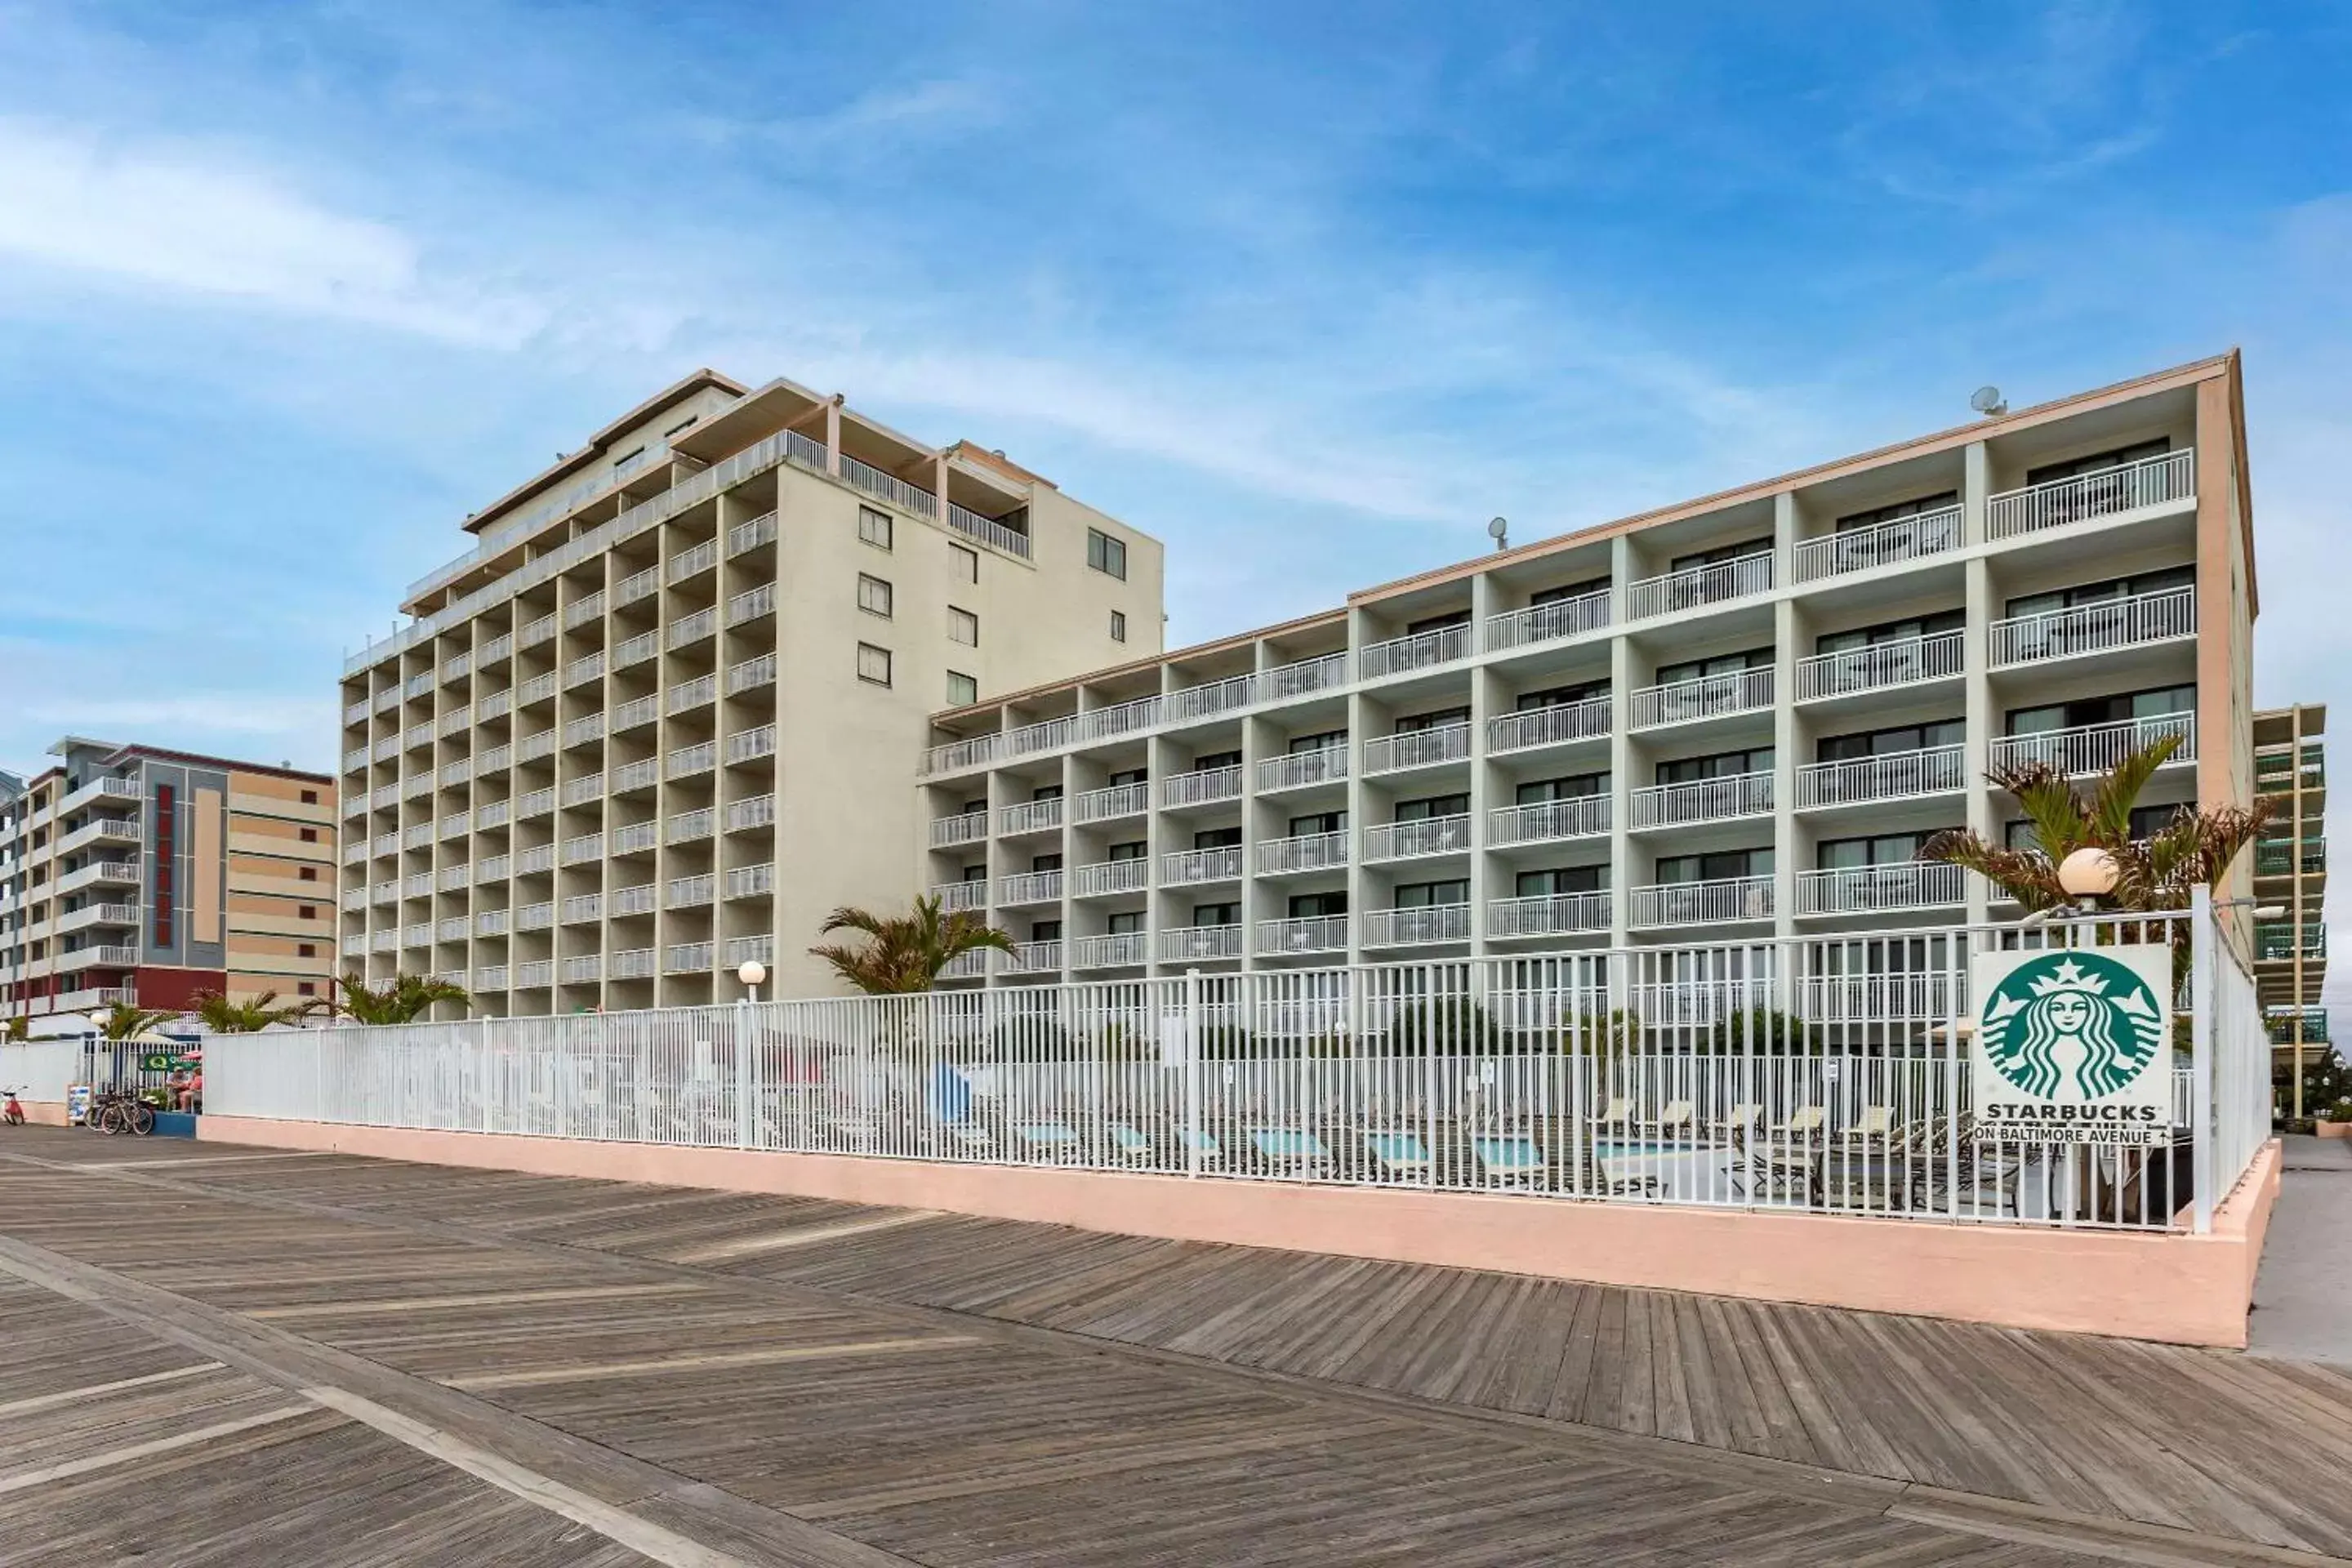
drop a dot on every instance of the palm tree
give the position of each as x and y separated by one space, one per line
403 999
223 1017
124 1022
19 1028
2196 847
902 953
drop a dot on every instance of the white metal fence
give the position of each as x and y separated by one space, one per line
1811 1074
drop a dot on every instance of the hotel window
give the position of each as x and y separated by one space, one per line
1126 924
1437 719
1559 696
1118 626
1044 931
1429 808
1437 623
1721 554
1562 879
1721 766
1431 895
1892 631
966 563
306 988
1216 838
873 664
873 596
1216 914
309 835
1715 868
1889 742
1314 906
2152 704
1133 849
305 949
1210 761
1318 822
309 797
2096 461
1106 554
874 527
1721 664
2113 588
1566 591
963 627
962 689
308 873
1130 776
1881 849
306 911
1575 786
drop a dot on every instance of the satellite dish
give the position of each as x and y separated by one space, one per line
1499 531
1987 401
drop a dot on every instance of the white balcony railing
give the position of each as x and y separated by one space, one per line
1182 943
1306 852
1204 787
969 965
1705 697
532 747
1296 770
536 975
1686 590
1433 922
1702 800
1419 650
1872 889
697 891
693 628
2134 622
1220 863
1417 748
541 857
753 811
1208 699
888 488
751 745
638 898
750 604
752 674
636 838
743 536
1031 887
1905 662
965 828
630 652
1880 544
954 895
1551 725
1580 817
1119 950
1030 816
1896 776
1033 957
694 693
1118 801
989 531
634 963
1542 623
1408 840
1320 673
684 762
584 970
1304 933
583 909
582 670
636 713
1102 877
693 560
1703 903
587 787
2094 748
741 949
751 881
1548 914
581 850
2152 482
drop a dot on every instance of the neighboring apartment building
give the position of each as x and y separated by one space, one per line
663 718
134 873
2291 876
1738 717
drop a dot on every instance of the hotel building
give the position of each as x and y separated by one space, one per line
1738 717
663 716
2291 876
133 873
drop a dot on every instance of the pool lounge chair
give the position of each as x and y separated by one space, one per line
1743 1118
1675 1121
1617 1116
1621 1176
1289 1152
1508 1160
1876 1127
1052 1139
968 1139
1804 1127
1198 1143
1131 1145
1398 1156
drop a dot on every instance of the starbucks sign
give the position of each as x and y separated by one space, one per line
2073 1045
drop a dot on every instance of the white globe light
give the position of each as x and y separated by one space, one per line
2088 873
752 971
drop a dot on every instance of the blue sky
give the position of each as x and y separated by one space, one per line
1309 292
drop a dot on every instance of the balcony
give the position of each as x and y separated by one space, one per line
1032 887
1209 699
582 850
1557 724
1548 914
634 963
1880 890
541 857
1547 622
965 828
743 536
888 488
2277 941
751 881
1187 868
1705 697
1320 673
1416 840
639 899
97 790
955 896
1120 950
752 674
686 761
2139 621
101 830
90 915
1702 800
535 976
754 811
688 826
2094 748
693 892
538 803
1549 821
1680 591
1907 662
1030 816
583 970
638 837
631 652
696 627
1206 786
580 791
692 562
1881 545
1417 749
2277 858
1421 650
636 713
124 872
2160 480
1306 852
1406 928
1309 933
751 745
534 747
699 692
1181 945
1726 899
1897 775
104 956
1118 801
1298 770
1095 880
741 949
969 965
1035 957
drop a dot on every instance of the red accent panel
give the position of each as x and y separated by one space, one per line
176 987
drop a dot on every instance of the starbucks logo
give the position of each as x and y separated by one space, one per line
2072 1024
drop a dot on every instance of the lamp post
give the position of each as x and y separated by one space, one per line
2088 874
752 973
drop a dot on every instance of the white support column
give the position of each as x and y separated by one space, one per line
1787 627
1360 881
1622 876
1484 683
1983 817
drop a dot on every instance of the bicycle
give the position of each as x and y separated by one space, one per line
117 1110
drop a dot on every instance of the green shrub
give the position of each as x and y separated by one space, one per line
1764 1030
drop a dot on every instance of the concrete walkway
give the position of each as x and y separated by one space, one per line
2303 1297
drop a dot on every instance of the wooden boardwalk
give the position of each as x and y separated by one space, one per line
224 1355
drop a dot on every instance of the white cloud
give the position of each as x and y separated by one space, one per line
189 220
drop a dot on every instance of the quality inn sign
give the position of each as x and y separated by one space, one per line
2072 1045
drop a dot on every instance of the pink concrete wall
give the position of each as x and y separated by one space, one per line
2185 1289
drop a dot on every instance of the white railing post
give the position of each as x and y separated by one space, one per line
1193 1072
746 1121
2201 957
